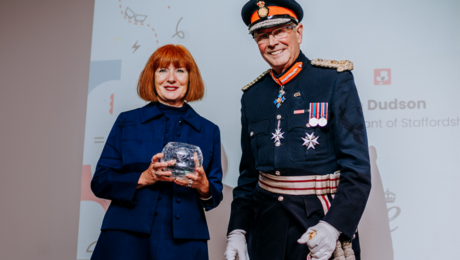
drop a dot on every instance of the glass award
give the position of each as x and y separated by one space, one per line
184 154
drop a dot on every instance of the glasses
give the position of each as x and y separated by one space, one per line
279 34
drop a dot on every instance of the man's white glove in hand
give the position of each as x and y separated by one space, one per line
322 245
236 245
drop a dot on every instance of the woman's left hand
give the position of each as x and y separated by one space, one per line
197 180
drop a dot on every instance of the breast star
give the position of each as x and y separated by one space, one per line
310 140
277 135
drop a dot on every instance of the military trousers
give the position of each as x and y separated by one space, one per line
279 221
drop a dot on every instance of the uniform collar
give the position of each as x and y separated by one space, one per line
151 111
292 71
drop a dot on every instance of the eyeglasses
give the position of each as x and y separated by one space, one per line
279 34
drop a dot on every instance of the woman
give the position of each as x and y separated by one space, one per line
152 215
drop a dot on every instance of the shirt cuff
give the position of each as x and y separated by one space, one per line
210 197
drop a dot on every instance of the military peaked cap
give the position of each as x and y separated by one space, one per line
259 14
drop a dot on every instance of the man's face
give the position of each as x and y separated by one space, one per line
281 52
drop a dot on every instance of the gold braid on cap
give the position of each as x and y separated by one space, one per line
341 66
254 81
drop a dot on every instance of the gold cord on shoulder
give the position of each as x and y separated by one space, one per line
254 81
341 66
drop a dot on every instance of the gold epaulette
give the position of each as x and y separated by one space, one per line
341 66
254 81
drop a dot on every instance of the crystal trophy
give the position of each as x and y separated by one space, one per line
184 154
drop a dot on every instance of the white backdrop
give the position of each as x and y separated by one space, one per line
405 55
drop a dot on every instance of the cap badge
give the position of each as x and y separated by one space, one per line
263 11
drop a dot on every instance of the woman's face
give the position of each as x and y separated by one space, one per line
171 85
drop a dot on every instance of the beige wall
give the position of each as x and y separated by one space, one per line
44 66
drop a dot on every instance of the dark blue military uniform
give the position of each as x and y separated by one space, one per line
275 221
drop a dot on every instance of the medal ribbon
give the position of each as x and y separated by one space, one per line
311 110
322 110
316 110
319 110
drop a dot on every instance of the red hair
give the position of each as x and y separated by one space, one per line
178 56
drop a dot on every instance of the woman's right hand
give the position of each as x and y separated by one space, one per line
155 172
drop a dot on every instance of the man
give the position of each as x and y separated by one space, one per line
304 172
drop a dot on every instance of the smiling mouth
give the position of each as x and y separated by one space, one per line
275 52
171 88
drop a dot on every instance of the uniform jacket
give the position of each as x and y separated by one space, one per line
342 143
136 136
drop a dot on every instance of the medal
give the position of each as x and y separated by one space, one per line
288 76
310 140
278 135
313 121
318 114
280 99
323 120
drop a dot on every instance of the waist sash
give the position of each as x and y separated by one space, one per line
300 185
319 185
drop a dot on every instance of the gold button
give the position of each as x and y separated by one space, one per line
308 124
278 117
252 133
277 144
280 198
277 173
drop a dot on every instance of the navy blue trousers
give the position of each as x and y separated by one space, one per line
158 245
277 225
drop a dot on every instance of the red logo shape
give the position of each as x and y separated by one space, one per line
111 104
382 76
86 193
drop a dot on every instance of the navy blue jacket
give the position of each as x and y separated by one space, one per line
342 143
136 136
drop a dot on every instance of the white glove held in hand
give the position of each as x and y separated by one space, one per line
236 245
323 244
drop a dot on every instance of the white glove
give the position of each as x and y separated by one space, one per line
236 245
322 245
